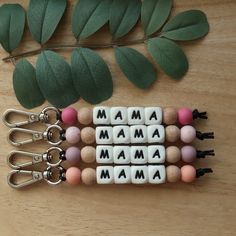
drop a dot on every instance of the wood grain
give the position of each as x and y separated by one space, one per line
207 207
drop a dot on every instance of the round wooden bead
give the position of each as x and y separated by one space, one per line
69 116
185 116
88 154
85 116
173 154
72 135
88 135
73 155
170 115
88 176
173 174
188 174
73 175
187 134
188 153
172 133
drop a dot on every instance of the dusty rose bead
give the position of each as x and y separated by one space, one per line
187 134
88 176
73 155
188 173
173 174
185 116
169 115
72 135
85 116
69 116
188 154
73 175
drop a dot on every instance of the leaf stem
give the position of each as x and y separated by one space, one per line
58 47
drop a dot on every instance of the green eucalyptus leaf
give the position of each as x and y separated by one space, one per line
91 76
89 16
25 85
169 56
136 67
154 14
54 77
44 17
123 16
12 24
188 25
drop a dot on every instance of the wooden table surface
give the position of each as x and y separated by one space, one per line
206 207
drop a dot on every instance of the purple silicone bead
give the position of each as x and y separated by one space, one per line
188 154
73 155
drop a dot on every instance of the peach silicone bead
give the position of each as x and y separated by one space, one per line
173 174
88 154
185 116
72 135
188 174
88 135
73 175
69 116
172 133
88 176
85 116
173 154
187 134
73 155
169 115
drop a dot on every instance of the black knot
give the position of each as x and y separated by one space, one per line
62 174
201 115
58 116
62 155
202 171
63 135
203 136
203 154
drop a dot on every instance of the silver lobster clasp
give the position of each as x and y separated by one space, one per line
36 158
53 138
35 176
31 117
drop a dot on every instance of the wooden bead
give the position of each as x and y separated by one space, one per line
85 116
88 135
88 154
88 176
173 174
170 115
172 133
173 154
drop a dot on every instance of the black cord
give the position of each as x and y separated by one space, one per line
203 136
203 154
201 115
202 171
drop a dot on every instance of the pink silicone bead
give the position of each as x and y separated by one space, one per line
69 116
73 155
187 134
72 135
188 154
185 116
73 175
188 174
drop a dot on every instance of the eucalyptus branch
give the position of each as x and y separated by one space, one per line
72 46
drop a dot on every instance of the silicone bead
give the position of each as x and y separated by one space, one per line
187 134
188 174
173 174
173 154
73 175
188 153
69 116
170 115
88 176
88 135
73 155
185 116
85 116
172 133
72 135
88 154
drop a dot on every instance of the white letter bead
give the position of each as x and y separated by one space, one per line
105 174
122 175
101 115
153 116
156 174
119 115
156 154
121 134
121 154
104 135
138 154
104 154
136 116
138 134
156 134
139 174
